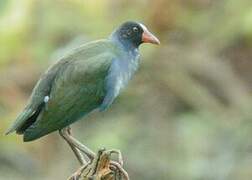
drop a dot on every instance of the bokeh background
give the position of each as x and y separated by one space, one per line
185 116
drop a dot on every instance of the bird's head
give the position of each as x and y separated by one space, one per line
134 34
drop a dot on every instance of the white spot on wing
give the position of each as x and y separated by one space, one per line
46 99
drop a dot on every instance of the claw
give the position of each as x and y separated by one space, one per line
102 167
121 170
118 153
77 174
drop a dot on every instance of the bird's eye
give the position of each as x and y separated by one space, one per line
135 29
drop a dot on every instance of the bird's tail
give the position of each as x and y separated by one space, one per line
19 121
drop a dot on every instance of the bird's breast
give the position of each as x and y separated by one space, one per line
120 72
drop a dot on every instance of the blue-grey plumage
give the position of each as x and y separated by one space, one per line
120 72
88 78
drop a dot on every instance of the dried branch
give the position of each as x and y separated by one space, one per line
102 168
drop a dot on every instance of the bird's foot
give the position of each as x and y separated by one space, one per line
77 175
102 168
118 153
117 165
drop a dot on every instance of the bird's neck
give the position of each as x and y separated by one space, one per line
124 44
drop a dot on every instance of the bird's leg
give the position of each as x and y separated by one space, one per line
64 133
77 146
75 143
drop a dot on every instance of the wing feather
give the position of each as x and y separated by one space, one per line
78 89
60 84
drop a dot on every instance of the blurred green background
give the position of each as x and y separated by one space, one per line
185 116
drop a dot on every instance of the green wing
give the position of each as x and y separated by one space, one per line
36 100
77 88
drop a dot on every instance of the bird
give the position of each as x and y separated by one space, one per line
88 78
